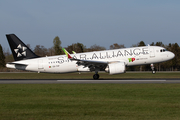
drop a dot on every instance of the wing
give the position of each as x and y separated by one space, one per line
91 64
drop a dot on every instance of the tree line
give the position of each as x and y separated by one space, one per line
56 49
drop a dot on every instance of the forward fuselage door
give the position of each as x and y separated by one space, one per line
151 52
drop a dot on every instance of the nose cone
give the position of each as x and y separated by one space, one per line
171 55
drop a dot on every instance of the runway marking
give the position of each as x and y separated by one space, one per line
112 80
143 80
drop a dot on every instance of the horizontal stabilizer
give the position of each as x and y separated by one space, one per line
17 64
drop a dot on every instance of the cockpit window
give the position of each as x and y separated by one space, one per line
163 50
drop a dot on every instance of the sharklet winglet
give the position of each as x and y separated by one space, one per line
74 52
67 54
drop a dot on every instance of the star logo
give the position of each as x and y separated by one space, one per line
20 51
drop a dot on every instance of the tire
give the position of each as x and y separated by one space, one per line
96 76
153 72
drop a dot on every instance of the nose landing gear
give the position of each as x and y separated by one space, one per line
153 69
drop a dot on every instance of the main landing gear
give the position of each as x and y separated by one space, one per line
96 75
153 69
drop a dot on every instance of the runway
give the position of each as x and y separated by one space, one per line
130 81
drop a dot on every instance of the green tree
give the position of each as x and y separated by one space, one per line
159 44
116 46
175 61
2 57
40 50
95 48
152 44
77 47
50 51
141 44
57 46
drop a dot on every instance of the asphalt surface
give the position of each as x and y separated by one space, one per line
130 81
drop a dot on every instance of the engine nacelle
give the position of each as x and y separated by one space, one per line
115 68
83 69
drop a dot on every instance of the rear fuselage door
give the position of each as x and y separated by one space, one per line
40 64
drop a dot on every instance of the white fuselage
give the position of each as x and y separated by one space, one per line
61 64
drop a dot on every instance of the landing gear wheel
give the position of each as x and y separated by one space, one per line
96 76
153 69
153 72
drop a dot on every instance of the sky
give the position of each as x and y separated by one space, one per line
100 22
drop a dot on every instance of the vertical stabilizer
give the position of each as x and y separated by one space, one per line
19 50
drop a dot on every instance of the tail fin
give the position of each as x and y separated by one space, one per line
19 50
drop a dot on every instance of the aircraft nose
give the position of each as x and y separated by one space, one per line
171 55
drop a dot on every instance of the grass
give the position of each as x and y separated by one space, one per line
148 75
90 101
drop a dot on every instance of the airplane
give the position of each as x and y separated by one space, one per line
111 61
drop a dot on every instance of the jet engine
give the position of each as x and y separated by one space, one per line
83 69
115 68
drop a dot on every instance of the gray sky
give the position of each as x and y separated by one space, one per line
101 22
